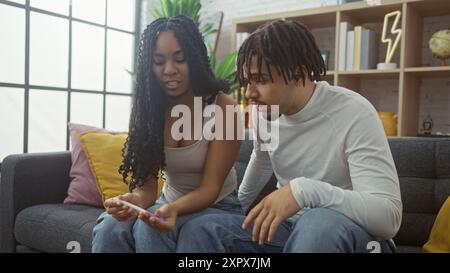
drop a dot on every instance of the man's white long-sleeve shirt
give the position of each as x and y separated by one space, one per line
334 154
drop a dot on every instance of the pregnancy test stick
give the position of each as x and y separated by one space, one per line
139 209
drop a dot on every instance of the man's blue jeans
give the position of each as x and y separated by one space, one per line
133 235
317 230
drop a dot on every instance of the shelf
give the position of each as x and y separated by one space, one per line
372 73
432 7
361 13
308 17
324 16
311 21
432 71
399 88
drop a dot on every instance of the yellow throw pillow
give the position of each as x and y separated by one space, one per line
439 240
104 153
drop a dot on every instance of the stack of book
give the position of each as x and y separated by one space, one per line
357 48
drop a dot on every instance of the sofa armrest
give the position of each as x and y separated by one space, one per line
27 180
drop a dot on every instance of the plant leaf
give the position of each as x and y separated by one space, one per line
165 7
212 62
156 14
227 66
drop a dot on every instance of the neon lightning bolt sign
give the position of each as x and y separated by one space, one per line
394 30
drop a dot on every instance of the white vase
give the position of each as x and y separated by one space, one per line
384 66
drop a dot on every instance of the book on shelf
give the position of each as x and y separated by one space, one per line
344 27
361 49
357 48
369 49
350 50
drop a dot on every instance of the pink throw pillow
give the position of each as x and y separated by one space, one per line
82 188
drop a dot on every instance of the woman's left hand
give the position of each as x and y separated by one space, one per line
167 212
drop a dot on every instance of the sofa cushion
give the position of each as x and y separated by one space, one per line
414 157
50 227
408 249
439 240
415 229
443 158
25 249
418 194
104 154
82 188
441 192
423 168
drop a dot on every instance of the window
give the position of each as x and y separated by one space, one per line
61 61
49 50
60 6
12 47
88 58
92 11
47 121
115 107
87 109
119 61
11 120
121 14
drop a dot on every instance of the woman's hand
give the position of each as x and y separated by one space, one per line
119 210
167 212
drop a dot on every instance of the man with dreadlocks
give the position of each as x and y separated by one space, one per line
338 188
173 71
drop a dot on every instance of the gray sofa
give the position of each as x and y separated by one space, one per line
33 187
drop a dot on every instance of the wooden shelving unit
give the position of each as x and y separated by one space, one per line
410 71
372 73
436 71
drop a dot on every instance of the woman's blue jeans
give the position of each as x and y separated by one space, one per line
113 236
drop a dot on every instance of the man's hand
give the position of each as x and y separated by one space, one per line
166 211
270 213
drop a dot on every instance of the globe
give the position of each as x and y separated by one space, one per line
440 44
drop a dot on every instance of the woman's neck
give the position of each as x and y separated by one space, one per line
185 99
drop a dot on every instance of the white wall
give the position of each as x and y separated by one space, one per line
234 9
244 8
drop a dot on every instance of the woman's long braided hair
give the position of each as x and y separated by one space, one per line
143 152
288 46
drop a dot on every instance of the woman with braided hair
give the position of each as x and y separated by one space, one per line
173 71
